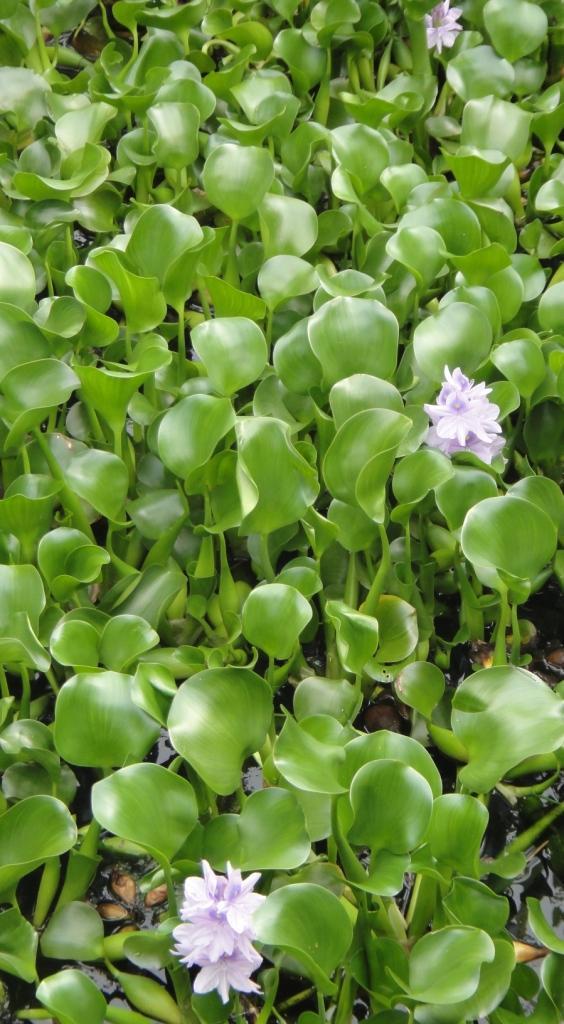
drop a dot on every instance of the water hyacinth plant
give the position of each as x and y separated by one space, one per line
281 519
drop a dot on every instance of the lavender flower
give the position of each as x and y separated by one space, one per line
217 930
464 419
442 25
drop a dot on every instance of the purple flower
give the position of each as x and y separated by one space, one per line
464 419
217 930
228 972
442 25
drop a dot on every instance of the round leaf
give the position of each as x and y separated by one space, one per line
236 178
233 351
97 723
147 805
404 801
463 949
458 335
274 615
309 923
217 719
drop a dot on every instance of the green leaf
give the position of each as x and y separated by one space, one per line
143 304
288 226
99 478
236 178
357 634
202 421
276 484
176 128
148 806
458 823
18 945
349 336
274 615
310 754
74 932
420 685
31 831
404 800
491 123
397 621
464 949
541 929
459 335
285 277
492 718
233 350
97 723
507 538
17 276
72 998
310 924
217 719
268 835
516 27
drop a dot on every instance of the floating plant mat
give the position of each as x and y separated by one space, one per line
281 520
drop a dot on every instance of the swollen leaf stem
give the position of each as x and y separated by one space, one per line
368 607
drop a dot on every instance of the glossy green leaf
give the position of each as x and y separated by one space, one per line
97 722
276 484
73 998
349 336
269 834
420 685
516 28
233 351
18 945
273 617
458 823
217 719
404 800
75 932
310 924
202 421
459 335
237 177
31 831
147 805
288 226
507 538
491 717
464 949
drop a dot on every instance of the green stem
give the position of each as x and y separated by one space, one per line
409 568
107 29
116 1015
4 688
265 558
419 48
321 1007
89 845
368 607
530 835
515 635
26 693
171 894
47 889
181 335
297 998
69 499
500 651
203 298
41 49
351 583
